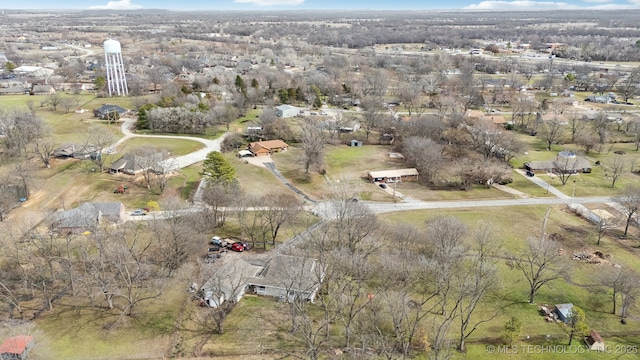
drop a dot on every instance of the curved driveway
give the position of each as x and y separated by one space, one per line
179 161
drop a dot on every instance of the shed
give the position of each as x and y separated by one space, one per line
392 176
16 347
286 111
355 143
563 311
594 341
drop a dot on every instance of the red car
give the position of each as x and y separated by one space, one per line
237 247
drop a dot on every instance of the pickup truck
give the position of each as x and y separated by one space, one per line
217 240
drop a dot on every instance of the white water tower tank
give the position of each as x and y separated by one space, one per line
116 79
112 47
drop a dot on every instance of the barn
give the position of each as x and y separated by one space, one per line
287 111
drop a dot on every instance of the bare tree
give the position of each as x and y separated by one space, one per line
44 149
629 87
19 128
616 168
219 196
478 280
55 100
98 140
565 166
634 129
280 210
630 202
552 132
426 155
373 114
629 293
540 263
314 141
601 127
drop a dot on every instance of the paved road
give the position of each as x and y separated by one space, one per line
380 208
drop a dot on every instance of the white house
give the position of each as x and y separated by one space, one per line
287 111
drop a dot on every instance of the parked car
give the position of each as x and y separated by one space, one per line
237 247
530 174
383 186
138 212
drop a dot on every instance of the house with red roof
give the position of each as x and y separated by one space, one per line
16 347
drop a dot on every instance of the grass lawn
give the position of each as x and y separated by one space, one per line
575 235
255 180
175 147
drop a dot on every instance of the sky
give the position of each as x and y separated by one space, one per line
323 4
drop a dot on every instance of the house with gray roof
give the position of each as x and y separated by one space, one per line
86 151
14 90
132 164
103 111
283 276
42 89
288 277
88 216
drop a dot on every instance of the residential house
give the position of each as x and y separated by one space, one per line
565 162
132 164
563 311
497 119
14 90
601 99
264 148
16 347
288 278
103 111
86 151
283 276
350 127
393 176
33 71
42 89
88 216
287 111
594 341
228 281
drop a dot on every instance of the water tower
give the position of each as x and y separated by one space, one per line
116 80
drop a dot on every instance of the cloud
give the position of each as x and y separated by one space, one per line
547 5
270 2
521 5
117 5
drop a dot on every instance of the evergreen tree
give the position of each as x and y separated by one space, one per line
217 168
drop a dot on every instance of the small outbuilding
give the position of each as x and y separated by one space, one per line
393 176
16 347
563 311
287 111
594 341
